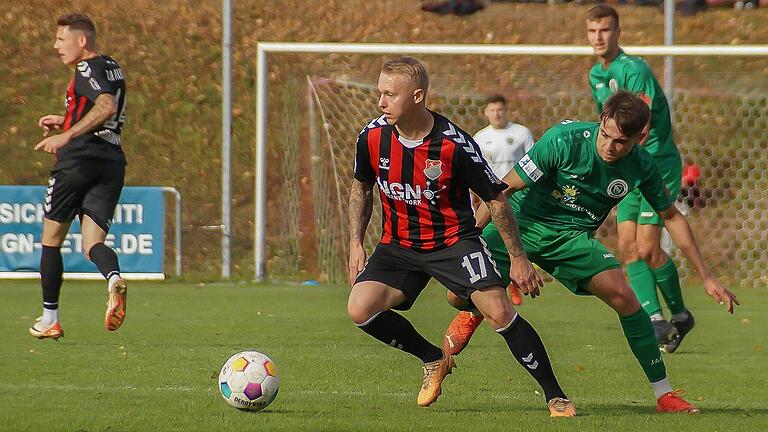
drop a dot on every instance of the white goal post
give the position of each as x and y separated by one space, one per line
264 49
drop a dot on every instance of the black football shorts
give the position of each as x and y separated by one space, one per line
463 268
90 187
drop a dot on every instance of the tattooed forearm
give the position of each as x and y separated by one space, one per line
104 107
504 219
360 208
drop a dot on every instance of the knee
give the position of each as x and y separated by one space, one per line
87 248
359 310
628 249
499 314
654 255
356 312
53 240
647 252
624 301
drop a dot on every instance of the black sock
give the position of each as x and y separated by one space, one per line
105 259
396 331
51 271
529 351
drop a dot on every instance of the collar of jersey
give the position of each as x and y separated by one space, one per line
618 54
427 138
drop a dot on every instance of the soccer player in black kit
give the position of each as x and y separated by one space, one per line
88 176
425 166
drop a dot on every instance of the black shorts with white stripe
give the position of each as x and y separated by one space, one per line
463 268
79 187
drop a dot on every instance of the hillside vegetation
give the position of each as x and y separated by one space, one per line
171 53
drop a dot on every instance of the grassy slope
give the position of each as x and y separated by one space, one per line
170 51
159 371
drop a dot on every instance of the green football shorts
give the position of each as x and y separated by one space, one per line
571 257
634 207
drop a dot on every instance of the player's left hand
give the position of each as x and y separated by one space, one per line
53 143
721 294
356 261
524 276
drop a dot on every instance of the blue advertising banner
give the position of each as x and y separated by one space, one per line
136 234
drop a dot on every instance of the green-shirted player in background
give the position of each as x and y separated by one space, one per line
638 225
562 191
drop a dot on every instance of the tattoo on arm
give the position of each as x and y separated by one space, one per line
104 107
360 208
504 219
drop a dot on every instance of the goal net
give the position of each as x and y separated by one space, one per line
317 104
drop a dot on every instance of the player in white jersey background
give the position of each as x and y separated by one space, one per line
503 144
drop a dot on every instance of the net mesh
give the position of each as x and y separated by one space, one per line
720 113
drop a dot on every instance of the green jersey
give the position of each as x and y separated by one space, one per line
571 188
633 74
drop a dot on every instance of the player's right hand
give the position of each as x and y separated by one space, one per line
50 121
721 294
356 261
524 276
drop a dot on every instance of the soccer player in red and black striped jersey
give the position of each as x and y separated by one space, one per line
425 166
89 172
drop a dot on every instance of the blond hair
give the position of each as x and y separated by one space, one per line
409 67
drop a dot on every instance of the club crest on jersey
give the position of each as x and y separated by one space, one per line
433 169
613 85
510 140
617 188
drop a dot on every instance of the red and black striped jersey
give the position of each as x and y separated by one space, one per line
425 189
94 76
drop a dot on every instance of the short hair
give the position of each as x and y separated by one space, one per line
598 12
495 98
410 67
78 21
630 113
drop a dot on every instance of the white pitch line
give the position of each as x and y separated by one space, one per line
73 387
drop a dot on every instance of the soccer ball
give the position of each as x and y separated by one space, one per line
249 381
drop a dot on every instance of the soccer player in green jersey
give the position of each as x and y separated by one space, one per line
561 192
639 226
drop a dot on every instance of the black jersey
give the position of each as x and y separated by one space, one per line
425 190
93 77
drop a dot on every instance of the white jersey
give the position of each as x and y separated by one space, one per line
503 148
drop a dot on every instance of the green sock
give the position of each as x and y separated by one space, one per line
669 284
642 340
642 283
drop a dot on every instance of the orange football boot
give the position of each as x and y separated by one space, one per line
434 374
43 331
118 295
515 295
673 402
561 407
459 332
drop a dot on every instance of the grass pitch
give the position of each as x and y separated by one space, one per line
159 372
